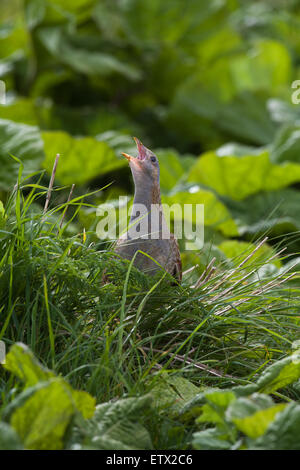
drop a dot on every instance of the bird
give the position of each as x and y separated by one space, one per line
148 237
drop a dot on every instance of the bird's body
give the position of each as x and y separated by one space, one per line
148 231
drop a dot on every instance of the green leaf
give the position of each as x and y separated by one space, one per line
42 421
280 374
172 393
41 413
214 410
14 41
210 439
286 146
25 143
216 214
238 251
247 406
283 432
253 415
256 425
240 176
116 426
21 110
272 212
81 159
9 439
172 168
69 51
21 362
220 398
205 107
84 403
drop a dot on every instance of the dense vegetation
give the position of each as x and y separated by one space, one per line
209 364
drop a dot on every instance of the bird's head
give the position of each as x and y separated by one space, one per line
145 167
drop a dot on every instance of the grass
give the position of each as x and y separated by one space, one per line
118 339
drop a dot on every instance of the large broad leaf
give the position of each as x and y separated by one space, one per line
41 413
286 146
240 176
116 425
238 251
272 212
172 168
22 110
81 159
171 393
14 41
280 374
25 143
235 104
210 439
256 425
214 410
283 432
9 439
21 362
42 421
216 214
67 49
253 415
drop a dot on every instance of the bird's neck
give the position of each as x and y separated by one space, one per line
147 195
147 206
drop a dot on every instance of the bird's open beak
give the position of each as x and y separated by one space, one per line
129 157
142 151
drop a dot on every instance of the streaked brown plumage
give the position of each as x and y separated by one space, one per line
148 230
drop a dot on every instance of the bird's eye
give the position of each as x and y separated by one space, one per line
153 159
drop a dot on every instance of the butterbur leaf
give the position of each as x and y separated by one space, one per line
25 143
209 415
214 410
42 412
280 374
42 421
286 146
272 212
117 425
256 425
81 59
81 159
210 439
216 214
240 176
171 393
172 168
220 398
243 406
9 439
238 251
283 432
21 362
22 110
84 403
